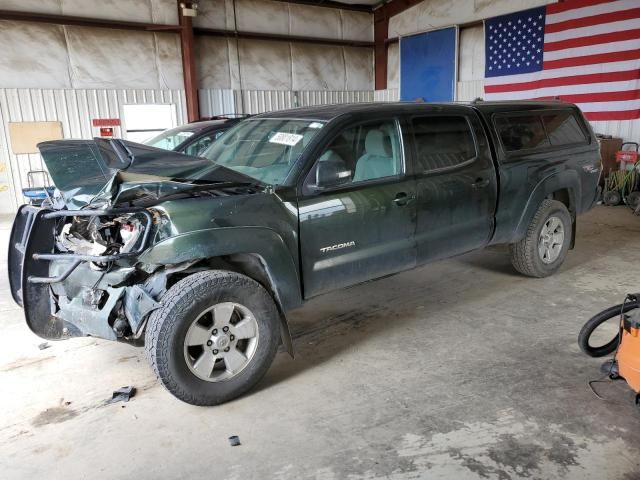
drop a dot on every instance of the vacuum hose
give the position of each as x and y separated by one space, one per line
594 322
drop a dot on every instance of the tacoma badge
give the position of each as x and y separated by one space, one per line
338 246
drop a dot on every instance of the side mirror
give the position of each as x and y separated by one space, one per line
330 174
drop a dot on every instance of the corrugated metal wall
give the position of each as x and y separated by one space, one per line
75 109
216 102
470 90
388 95
628 130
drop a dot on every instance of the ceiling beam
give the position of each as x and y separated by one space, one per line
280 38
86 22
155 27
332 4
394 7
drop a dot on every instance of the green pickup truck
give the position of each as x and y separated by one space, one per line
200 259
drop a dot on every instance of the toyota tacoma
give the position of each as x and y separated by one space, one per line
200 259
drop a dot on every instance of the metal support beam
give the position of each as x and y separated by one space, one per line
280 38
332 4
85 22
188 63
380 34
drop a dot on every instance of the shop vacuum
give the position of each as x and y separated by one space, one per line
625 346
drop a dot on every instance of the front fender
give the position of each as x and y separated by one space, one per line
215 242
568 179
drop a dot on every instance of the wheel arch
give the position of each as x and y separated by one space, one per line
562 186
257 252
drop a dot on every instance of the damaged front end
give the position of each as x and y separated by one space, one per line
74 264
73 271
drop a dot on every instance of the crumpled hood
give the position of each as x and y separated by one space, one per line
88 170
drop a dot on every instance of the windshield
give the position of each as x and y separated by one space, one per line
169 139
264 149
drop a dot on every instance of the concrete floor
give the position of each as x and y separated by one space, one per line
461 370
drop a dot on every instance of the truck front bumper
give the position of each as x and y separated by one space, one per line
62 296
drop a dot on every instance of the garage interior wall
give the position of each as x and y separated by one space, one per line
82 57
468 15
244 64
74 73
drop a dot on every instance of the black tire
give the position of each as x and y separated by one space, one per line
594 322
611 198
524 254
168 326
633 200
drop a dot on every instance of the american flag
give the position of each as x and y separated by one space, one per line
583 51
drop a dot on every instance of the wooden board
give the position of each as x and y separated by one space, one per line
24 136
608 149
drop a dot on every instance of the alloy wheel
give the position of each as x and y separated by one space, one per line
221 342
551 240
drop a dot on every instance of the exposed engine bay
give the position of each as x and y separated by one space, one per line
84 280
100 236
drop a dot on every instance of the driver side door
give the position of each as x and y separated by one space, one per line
357 222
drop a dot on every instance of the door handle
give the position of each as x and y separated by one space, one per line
480 183
403 198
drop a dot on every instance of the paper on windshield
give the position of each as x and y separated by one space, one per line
284 138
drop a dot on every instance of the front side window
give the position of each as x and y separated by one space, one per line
442 142
360 153
521 132
563 129
264 149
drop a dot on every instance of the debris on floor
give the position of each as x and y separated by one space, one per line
234 440
56 414
44 345
123 394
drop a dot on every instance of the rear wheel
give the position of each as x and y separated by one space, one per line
545 246
213 338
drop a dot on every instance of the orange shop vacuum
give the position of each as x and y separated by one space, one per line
625 346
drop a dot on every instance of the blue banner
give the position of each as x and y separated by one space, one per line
428 66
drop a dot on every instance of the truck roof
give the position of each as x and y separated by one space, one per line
328 112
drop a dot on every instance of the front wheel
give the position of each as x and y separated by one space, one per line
544 248
213 338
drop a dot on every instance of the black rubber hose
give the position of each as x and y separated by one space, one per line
594 322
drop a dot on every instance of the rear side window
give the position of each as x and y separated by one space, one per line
563 129
521 132
442 142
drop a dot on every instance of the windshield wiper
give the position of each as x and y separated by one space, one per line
202 183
